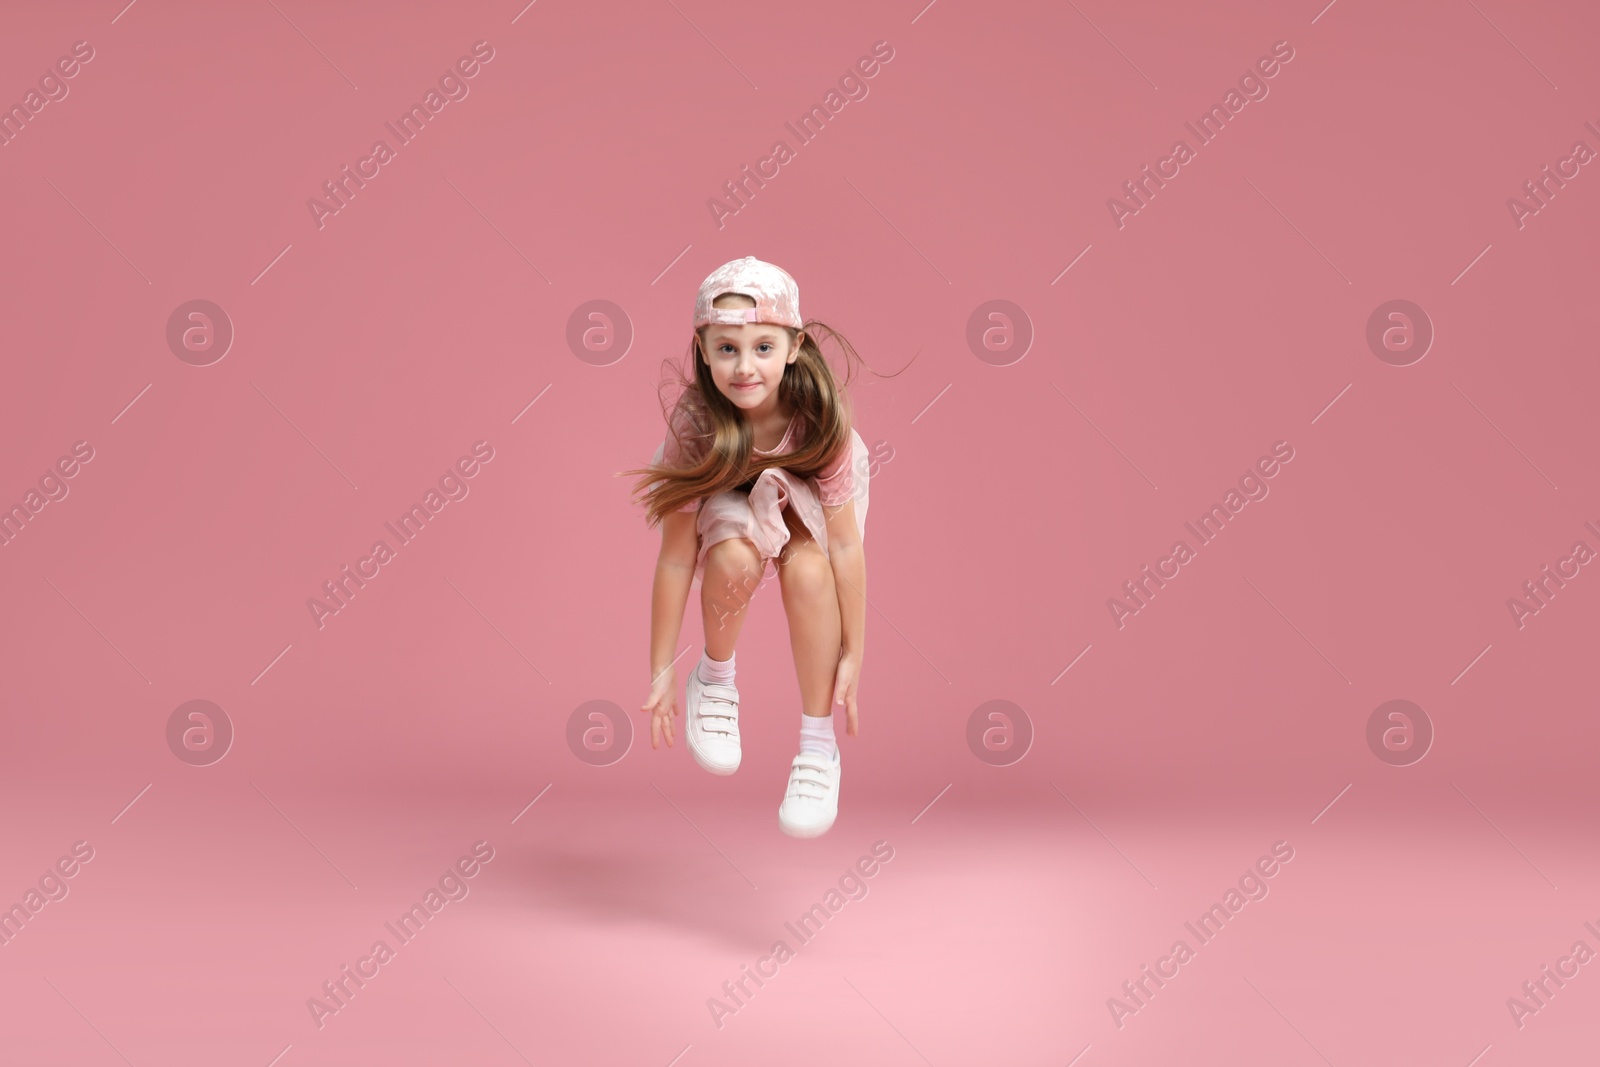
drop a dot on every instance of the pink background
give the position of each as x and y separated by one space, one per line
1229 314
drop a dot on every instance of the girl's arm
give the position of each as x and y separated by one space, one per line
848 557
680 545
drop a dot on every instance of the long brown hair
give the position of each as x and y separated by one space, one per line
716 444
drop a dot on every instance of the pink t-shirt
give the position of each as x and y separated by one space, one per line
836 484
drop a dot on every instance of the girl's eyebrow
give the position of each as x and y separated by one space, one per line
758 337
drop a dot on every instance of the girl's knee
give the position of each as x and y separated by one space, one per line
805 572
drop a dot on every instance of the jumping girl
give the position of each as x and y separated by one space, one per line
761 472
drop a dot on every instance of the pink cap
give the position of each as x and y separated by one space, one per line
776 295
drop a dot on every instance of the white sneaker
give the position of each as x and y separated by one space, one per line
812 802
712 724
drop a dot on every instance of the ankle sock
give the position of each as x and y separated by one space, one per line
716 670
816 735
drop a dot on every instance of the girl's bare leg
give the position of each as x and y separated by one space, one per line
812 605
732 575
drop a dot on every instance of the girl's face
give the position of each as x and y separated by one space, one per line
747 362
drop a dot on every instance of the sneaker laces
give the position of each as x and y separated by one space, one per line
714 693
813 785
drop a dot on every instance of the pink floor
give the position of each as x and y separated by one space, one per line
601 932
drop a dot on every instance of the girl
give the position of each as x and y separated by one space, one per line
761 473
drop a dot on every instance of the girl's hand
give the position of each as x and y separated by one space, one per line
662 706
844 688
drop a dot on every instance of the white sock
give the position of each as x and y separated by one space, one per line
816 735
716 670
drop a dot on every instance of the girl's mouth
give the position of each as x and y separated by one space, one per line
747 385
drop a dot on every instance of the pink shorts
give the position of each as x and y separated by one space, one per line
758 515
